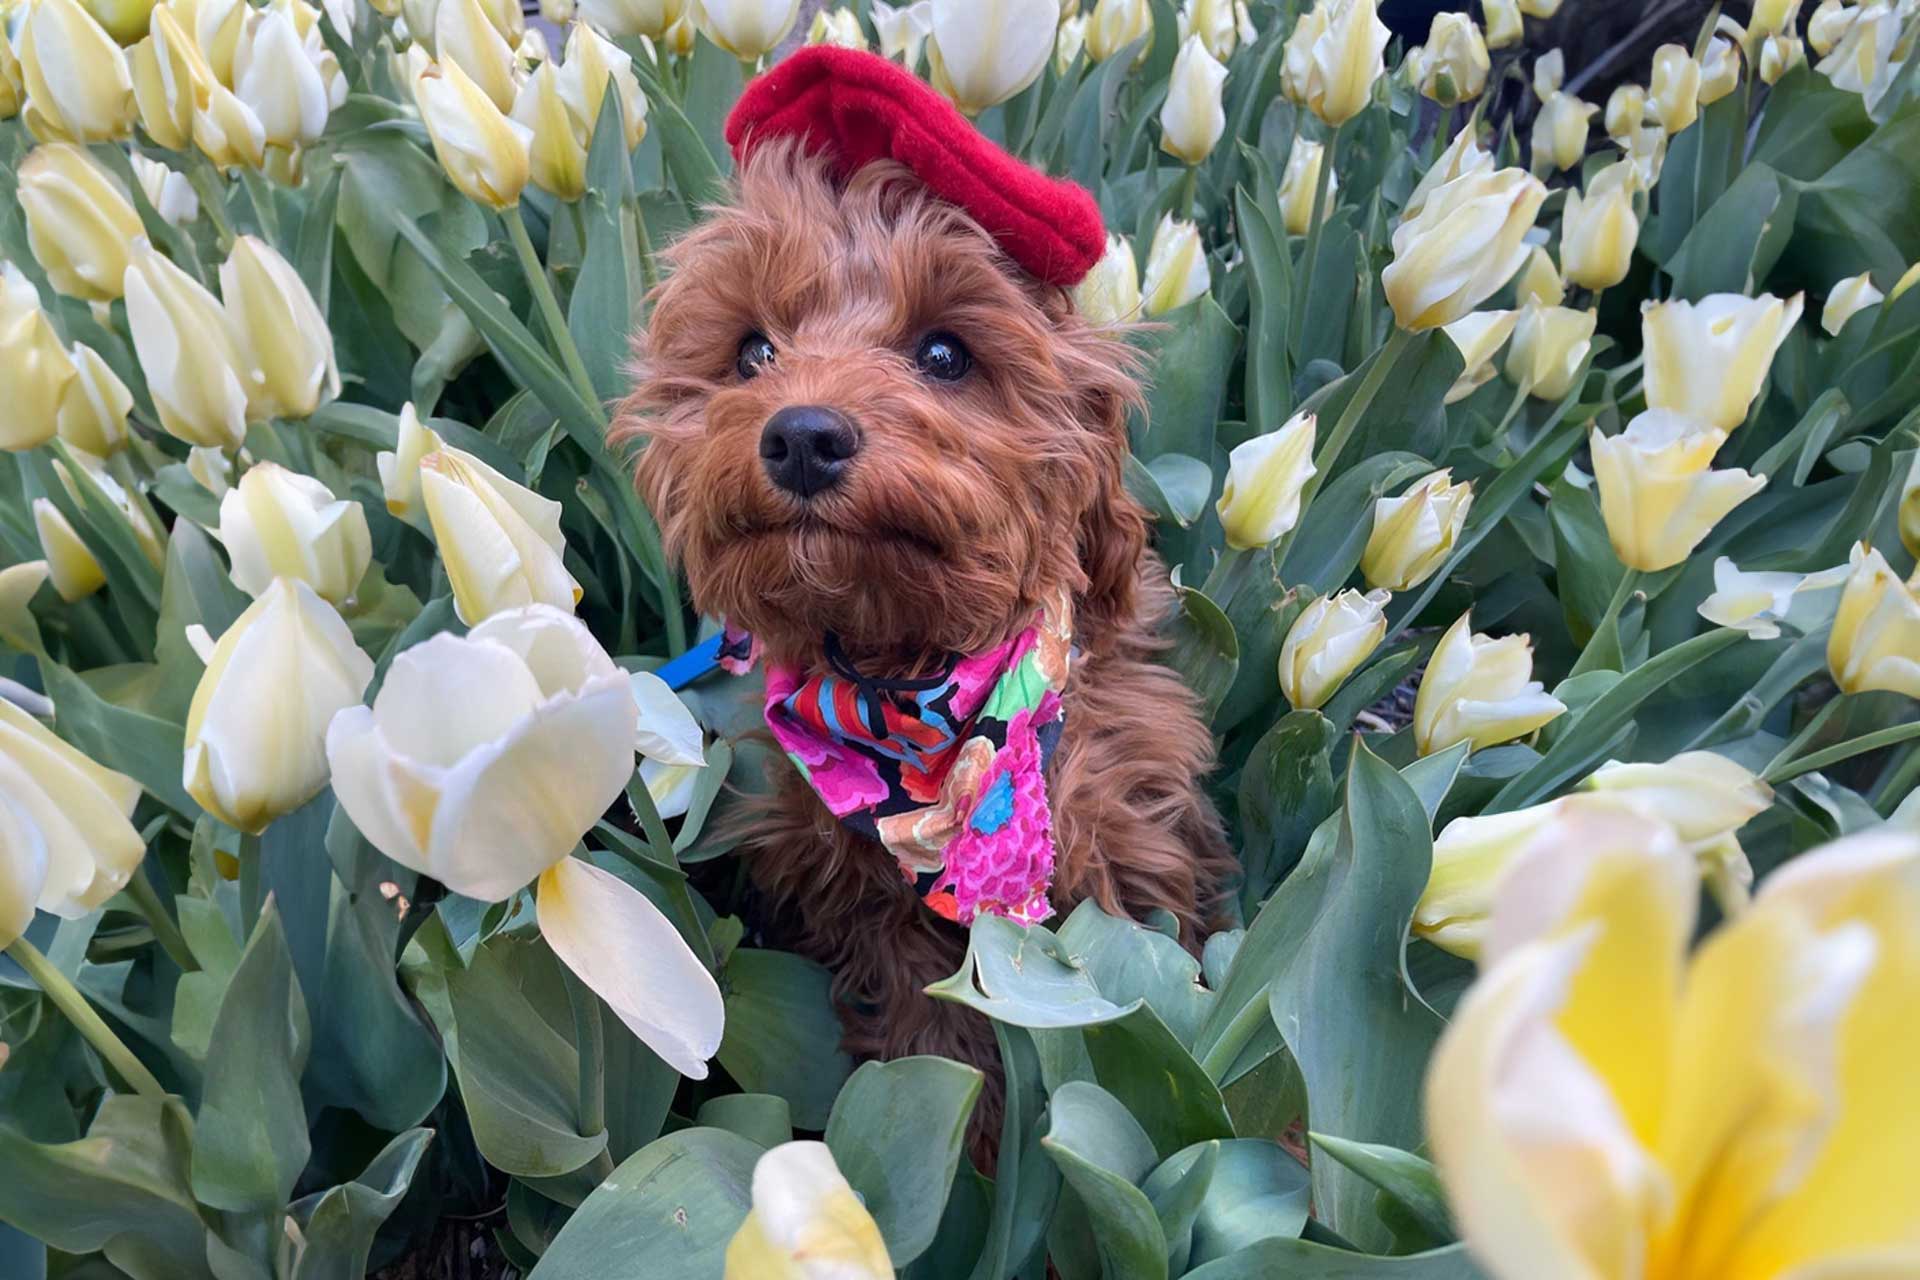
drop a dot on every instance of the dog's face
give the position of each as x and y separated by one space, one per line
862 419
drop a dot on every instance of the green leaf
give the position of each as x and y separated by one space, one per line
1286 790
1205 649
1269 389
1734 247
1186 482
1105 1156
1191 357
1025 978
897 1131
1176 1190
761 1118
340 1224
600 315
1403 1177
1139 1061
1130 962
782 1033
696 174
1334 531
1026 1188
1257 1192
1091 117
1299 1260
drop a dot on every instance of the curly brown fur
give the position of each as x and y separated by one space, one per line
967 505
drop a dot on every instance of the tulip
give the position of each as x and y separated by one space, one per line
1467 240
806 1223
1068 44
400 469
1757 603
1910 509
1115 24
1648 151
594 64
79 221
256 731
1260 500
1626 111
162 67
649 18
170 194
93 478
1658 495
1479 337
1328 642
77 85
38 371
1719 71
679 40
180 334
1846 299
226 130
464 35
1739 1113
557 157
1503 23
1222 25
1479 690
1705 798
1830 21
1298 184
284 347
1549 347
280 524
71 565
1780 54
1110 293
1549 73
215 26
748 29
1193 118
500 541
484 153
1345 59
1709 359
1675 91
1876 631
481 763
1771 17
211 470
1413 534
837 27
982 52
1599 229
1176 267
1464 155
1560 132
1908 278
1455 64
1539 281
281 78
94 407
1296 62
1542 9
904 28
1862 60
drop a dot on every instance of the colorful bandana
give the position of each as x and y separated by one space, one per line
947 771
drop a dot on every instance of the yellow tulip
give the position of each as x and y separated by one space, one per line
1539 281
1466 241
170 194
256 730
1193 117
484 154
225 129
1603 1105
1298 184
38 370
1830 21
1599 229
1479 690
1779 54
1770 17
94 407
1454 64
806 1223
1709 359
180 334
1344 59
1846 299
593 65
1705 798
280 524
1479 337
749 29
1658 494
1464 155
1549 346
1176 267
1296 62
215 27
838 27
1648 151
1560 132
1503 23
1328 642
1413 534
463 34
649 18
1260 499
77 85
1540 8
1876 632
1674 93
1910 509
1115 24
982 52
1110 293
284 347
1222 25
1719 70
80 221
1626 111
557 158
71 565
93 477
500 541
163 70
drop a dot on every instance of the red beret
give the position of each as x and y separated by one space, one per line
860 107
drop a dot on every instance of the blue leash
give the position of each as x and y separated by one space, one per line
698 661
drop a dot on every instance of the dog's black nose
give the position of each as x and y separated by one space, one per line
805 448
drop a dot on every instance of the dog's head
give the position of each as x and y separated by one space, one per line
862 418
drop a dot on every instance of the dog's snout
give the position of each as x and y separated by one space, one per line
805 448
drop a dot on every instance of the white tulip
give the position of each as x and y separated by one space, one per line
1757 603
903 28
1846 299
1467 240
982 52
1176 267
1478 336
400 468
806 1223
1480 690
1260 500
748 29
1709 359
278 523
168 191
1298 184
1193 118
1328 642
499 541
1110 293
281 77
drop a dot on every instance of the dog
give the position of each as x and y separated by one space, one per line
863 423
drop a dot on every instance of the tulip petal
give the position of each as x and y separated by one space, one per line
668 732
23 868
806 1223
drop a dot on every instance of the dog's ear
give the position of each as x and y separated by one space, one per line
1113 524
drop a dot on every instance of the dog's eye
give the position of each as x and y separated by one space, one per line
943 357
756 353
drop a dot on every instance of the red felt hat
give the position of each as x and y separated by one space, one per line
860 107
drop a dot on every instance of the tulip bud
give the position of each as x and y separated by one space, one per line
1599 229
1658 494
1479 337
400 470
806 1222
1876 631
1413 534
1296 62
749 29
215 27
180 334
464 35
837 27
1218 23
79 221
1542 9
94 407
38 372
1503 23
1675 91
256 731
1780 54
1549 346
284 347
1176 266
280 77
1831 20
1719 70
1454 67
484 154
1298 184
1626 111
1538 281
1477 689
1845 299
477 516
211 470
1648 151
1110 293
94 480
1193 118
1709 359
77 85
1549 73
1467 240
1260 500
280 524
1464 155
170 194
13 89
1115 24
1757 603
982 52
1560 132
649 18
903 29
225 129
71 565
1328 642
1704 797
1863 59
162 68
1773 16
1068 44
557 157
1345 59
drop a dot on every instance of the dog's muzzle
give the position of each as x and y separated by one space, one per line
805 448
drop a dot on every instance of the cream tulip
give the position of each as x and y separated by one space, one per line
1110 293
1464 155
168 191
1909 516
1549 73
1780 54
1626 111
1658 494
1541 9
982 52
211 469
806 1223
1719 70
1115 24
71 565
1704 797
1539 281
284 347
1328 642
1413 534
1908 278
1709 359
94 407
1830 21
1300 181
557 157
1218 23
463 34
1296 62
180 334
256 731
1502 18
1876 631
1193 117
1260 500
1454 66
1674 93
499 541
13 87
1846 299
163 72
1466 241
80 221
399 469
1770 17
837 27
78 88
1479 690
1648 151
38 370
1863 59
903 29
1599 228
649 18
278 523
215 26
1176 267
226 130
749 29
281 77
1345 59
1560 132
1757 603
483 152
1478 337
1549 347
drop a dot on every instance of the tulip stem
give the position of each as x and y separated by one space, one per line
69 1001
1777 768
209 186
1349 422
260 195
1315 219
556 324
1590 655
590 1040
165 931
1890 736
